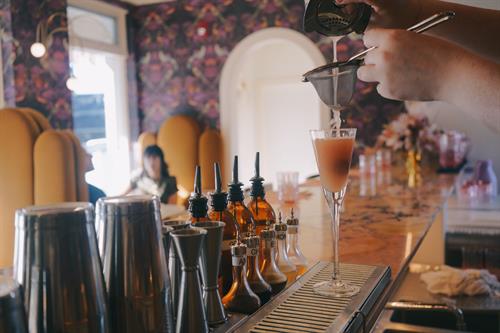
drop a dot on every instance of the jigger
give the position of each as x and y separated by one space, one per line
134 264
12 314
191 315
173 263
209 265
57 263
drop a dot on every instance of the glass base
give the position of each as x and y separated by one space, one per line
335 289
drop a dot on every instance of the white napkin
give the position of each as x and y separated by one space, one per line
453 282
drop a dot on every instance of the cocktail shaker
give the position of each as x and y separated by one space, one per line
191 315
12 314
173 262
209 265
134 264
57 263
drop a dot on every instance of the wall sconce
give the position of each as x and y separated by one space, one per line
39 48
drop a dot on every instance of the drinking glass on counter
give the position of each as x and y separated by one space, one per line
367 163
384 158
288 186
333 151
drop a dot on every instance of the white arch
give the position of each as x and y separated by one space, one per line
228 82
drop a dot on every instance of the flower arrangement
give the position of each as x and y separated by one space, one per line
409 132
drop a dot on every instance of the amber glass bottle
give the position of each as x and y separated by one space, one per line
240 297
270 271
262 211
219 212
198 203
236 206
254 277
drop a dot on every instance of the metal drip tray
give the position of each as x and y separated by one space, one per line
299 309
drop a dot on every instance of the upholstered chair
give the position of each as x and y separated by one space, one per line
209 152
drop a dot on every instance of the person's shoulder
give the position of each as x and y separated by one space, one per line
136 174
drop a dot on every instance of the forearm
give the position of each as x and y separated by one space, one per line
473 85
473 28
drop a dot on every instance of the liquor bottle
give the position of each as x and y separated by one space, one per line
254 277
236 206
260 208
269 269
219 212
198 203
285 265
293 250
240 297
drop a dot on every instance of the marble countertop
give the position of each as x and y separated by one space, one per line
383 220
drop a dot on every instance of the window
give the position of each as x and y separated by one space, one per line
99 90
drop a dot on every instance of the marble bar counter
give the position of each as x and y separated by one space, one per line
383 222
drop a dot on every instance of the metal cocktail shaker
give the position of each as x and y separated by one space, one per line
173 262
57 263
134 265
12 314
191 316
209 265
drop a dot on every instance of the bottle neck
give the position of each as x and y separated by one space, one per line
292 239
239 271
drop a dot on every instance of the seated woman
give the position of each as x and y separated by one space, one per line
154 178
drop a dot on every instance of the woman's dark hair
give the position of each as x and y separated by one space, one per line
155 151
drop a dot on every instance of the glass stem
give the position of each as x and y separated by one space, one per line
335 200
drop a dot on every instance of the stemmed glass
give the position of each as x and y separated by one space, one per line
333 149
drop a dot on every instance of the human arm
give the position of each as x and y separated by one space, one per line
418 67
473 28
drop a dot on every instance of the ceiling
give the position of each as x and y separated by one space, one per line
145 2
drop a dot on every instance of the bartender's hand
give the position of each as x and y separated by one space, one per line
397 14
408 66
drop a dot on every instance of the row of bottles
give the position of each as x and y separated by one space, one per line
259 256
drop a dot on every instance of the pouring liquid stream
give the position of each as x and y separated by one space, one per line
335 121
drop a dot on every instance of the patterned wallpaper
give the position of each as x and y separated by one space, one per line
41 83
179 66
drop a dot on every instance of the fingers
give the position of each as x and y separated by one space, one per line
368 73
374 37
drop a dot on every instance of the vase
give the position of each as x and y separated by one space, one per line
413 159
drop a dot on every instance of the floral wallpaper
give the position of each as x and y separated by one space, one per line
41 83
181 48
7 44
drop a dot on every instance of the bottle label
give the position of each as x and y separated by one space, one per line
281 235
252 251
239 261
226 244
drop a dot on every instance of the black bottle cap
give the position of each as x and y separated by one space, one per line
219 197
235 191
198 203
257 181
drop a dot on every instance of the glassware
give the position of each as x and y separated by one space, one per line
262 211
288 187
198 206
219 212
384 158
285 265
269 269
240 298
236 206
367 163
333 151
293 249
254 277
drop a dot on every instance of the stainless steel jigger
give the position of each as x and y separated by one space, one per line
173 262
191 316
134 264
12 314
57 263
210 263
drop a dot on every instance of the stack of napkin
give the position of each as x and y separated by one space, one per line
453 282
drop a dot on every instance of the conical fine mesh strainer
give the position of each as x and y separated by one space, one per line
335 84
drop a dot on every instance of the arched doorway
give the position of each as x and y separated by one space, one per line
265 107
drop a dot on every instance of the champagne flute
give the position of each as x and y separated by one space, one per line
333 150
